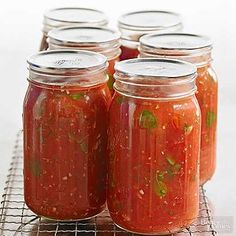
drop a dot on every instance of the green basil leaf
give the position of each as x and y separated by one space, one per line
170 160
73 137
110 81
159 176
188 129
35 168
147 120
173 170
160 188
84 147
170 172
76 96
177 167
120 99
210 119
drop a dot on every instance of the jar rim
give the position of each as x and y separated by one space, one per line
155 68
176 41
66 62
124 21
109 35
156 79
194 48
61 19
48 15
95 39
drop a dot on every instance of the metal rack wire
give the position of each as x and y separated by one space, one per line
17 219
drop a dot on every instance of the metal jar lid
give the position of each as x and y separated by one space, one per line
159 68
158 79
60 67
189 47
59 17
102 40
135 24
176 41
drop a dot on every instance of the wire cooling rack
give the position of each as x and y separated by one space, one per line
17 219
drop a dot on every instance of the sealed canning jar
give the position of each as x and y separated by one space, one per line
135 24
195 49
102 40
70 16
154 133
65 134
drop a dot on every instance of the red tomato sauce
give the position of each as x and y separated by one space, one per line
64 151
207 96
128 53
153 163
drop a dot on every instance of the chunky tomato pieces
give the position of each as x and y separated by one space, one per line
207 95
65 151
153 163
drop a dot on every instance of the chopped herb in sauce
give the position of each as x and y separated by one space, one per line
76 96
120 99
170 160
160 188
35 168
84 147
73 137
210 118
173 170
177 167
110 81
188 129
170 172
159 176
173 167
147 120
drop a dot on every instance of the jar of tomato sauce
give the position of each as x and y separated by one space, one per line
102 40
135 24
195 49
70 16
65 134
154 139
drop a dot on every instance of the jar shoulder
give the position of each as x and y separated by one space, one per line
208 72
132 108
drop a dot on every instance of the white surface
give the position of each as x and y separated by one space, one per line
20 36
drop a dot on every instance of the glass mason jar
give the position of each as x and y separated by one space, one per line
195 49
102 40
70 16
65 134
133 25
154 140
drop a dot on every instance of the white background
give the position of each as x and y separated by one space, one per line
20 32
